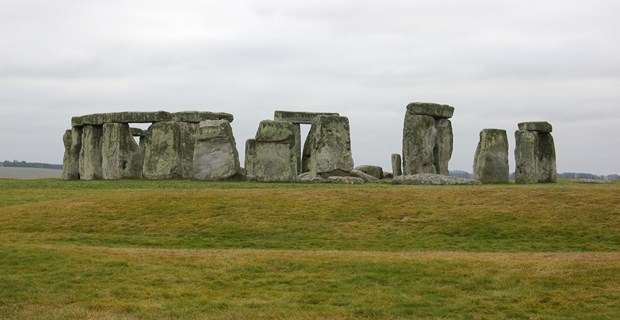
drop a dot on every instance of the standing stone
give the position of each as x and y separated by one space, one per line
72 140
91 154
122 156
419 140
328 147
526 156
169 150
272 156
535 153
397 169
491 159
443 146
215 154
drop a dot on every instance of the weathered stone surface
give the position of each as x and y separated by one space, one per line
443 146
328 147
90 153
309 177
397 168
432 179
122 156
137 132
438 111
72 140
538 126
148 117
270 162
546 156
169 150
345 180
419 140
275 131
215 154
365 176
526 156
299 117
491 158
374 171
388 176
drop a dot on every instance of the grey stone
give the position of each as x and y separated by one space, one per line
122 156
432 179
327 150
91 153
397 168
491 158
546 159
374 171
148 117
526 156
364 176
434 110
137 132
345 180
72 140
538 126
275 131
169 150
443 146
388 176
270 161
309 177
419 140
299 117
215 154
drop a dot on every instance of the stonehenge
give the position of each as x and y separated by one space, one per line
491 158
535 153
200 145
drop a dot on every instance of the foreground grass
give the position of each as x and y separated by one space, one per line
186 249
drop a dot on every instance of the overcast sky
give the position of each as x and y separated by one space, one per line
497 63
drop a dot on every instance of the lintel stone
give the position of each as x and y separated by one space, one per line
438 111
538 126
299 116
148 117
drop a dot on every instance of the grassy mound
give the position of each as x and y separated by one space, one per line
186 249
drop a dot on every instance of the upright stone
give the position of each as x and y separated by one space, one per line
397 169
443 146
272 157
546 157
91 154
169 150
122 156
215 155
72 140
491 159
419 141
328 147
526 156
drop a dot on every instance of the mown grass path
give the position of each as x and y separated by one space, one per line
187 249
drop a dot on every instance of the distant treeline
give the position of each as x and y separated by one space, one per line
24 164
565 175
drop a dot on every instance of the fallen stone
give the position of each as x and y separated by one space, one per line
538 126
309 177
419 140
433 179
434 110
388 176
122 156
345 180
328 147
72 140
374 171
215 153
90 163
491 158
364 176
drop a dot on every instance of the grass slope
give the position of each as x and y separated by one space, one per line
186 249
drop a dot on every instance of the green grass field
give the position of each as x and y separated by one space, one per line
135 249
